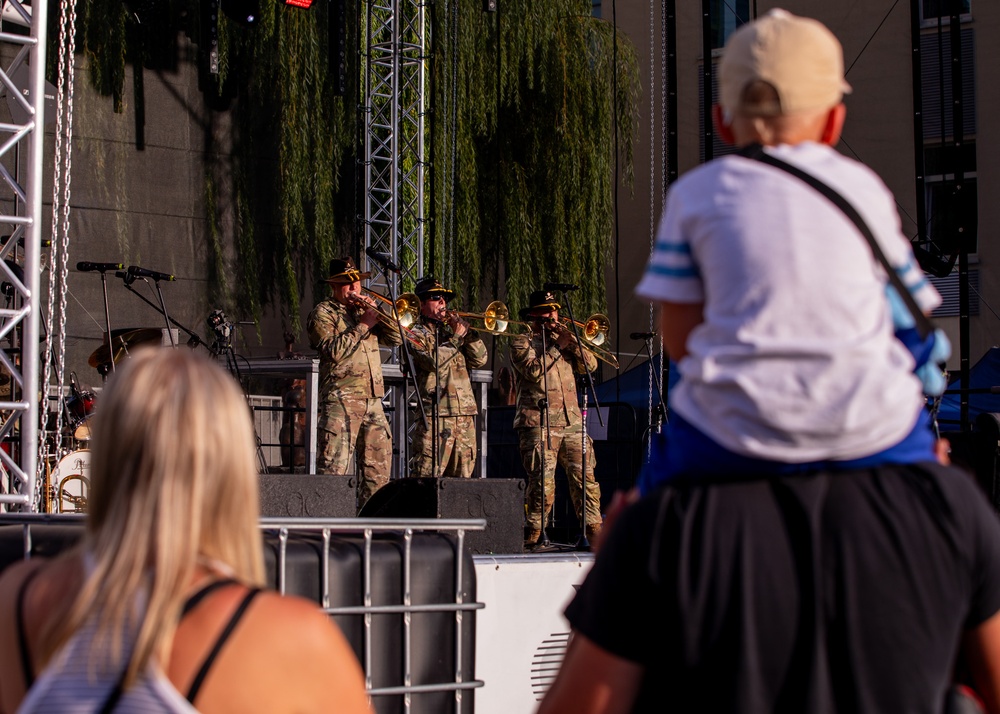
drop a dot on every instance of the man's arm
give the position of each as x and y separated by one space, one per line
527 362
982 651
474 350
332 337
677 320
591 680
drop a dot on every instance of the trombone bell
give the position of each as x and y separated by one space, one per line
596 328
496 317
407 309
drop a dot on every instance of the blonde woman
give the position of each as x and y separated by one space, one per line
160 609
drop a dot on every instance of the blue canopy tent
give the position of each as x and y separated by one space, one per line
985 374
634 385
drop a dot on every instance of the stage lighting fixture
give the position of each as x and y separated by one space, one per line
243 12
299 3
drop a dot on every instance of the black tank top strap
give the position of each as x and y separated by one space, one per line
205 591
22 635
220 643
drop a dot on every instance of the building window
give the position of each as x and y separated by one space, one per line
934 9
596 8
948 288
935 77
952 213
727 15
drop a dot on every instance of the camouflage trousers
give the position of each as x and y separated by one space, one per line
567 449
355 427
456 448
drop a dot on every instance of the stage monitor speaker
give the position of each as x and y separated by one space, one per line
307 496
499 500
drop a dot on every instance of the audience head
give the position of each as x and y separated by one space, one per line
781 80
173 473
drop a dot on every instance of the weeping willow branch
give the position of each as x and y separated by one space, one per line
522 138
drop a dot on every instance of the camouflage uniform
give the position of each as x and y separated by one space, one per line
566 427
351 391
457 407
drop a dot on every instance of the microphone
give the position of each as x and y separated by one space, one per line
87 267
134 271
384 261
642 335
73 386
555 287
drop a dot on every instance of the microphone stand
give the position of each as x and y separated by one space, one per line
583 543
163 309
194 341
544 434
409 374
107 317
436 404
658 378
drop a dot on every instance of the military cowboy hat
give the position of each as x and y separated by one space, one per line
343 270
540 301
428 286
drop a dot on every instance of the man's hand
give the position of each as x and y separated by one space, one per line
369 317
458 326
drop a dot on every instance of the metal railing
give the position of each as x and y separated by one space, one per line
369 530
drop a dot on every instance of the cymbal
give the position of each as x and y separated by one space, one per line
124 341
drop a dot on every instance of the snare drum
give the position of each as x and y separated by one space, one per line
70 482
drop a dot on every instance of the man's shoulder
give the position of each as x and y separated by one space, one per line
327 308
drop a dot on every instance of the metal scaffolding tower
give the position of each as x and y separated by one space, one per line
21 217
395 70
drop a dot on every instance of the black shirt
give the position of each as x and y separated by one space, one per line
834 592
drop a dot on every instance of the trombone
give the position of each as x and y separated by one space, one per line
405 310
496 319
593 333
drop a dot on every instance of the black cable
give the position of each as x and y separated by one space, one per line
617 180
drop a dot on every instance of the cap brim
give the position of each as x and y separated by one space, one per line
525 312
344 278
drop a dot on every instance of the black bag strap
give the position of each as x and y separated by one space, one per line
923 323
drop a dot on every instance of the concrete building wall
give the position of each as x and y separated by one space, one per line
879 130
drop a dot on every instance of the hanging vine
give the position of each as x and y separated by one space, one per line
522 137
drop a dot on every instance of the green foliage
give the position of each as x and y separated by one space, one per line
522 136
528 151
101 26
294 138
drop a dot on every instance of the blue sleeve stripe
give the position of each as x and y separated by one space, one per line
664 247
691 272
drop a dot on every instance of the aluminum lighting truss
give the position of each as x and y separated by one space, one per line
21 216
395 70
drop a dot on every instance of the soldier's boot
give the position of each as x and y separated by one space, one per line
593 530
531 539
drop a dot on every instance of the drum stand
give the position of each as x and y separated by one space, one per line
223 345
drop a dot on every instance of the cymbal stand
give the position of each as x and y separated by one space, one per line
224 346
194 340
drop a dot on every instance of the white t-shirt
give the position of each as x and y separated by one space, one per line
795 360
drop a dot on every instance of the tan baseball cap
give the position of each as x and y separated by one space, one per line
798 56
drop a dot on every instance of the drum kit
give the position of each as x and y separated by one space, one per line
68 470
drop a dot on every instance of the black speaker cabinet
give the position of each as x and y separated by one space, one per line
499 500
307 496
